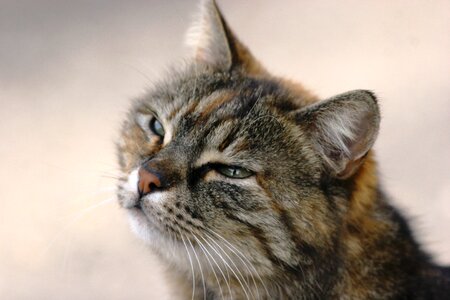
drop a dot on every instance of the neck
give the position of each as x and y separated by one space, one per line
379 253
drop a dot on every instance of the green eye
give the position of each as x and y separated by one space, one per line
157 127
233 171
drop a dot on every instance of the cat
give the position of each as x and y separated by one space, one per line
249 187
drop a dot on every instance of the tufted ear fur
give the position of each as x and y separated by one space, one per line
343 129
212 42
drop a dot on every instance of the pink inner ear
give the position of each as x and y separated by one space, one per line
363 136
351 167
347 161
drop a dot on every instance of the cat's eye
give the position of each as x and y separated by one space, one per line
233 171
156 127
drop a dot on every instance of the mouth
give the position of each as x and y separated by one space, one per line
137 211
138 205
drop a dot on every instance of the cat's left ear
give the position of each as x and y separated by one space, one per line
212 42
343 129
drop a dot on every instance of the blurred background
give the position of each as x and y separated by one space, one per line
68 70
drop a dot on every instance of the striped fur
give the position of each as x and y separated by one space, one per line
311 223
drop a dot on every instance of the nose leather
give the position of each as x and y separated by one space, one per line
148 181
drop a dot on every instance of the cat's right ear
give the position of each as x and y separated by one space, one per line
212 42
343 129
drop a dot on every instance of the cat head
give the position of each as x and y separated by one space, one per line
225 159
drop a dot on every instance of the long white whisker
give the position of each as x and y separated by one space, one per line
221 272
111 167
231 269
205 251
200 267
242 261
192 265
174 240
98 192
65 265
76 218
207 254
108 176
231 246
245 280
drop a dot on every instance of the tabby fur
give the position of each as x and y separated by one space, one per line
311 223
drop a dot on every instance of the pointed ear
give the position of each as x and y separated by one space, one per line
212 42
343 129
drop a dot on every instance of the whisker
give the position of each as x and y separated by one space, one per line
92 171
76 218
65 265
207 254
243 262
101 191
88 194
231 269
231 247
192 265
138 71
200 267
111 177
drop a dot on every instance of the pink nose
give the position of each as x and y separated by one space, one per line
147 181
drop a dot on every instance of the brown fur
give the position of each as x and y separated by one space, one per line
309 222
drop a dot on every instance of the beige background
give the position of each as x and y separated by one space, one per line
69 68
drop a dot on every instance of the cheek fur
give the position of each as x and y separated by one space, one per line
140 225
155 197
132 182
128 191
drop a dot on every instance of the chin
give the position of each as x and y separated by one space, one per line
169 249
140 225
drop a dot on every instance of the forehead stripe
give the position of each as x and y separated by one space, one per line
224 97
174 112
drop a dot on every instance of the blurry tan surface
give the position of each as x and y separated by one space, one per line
69 68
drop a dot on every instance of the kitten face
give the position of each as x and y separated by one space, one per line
242 160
